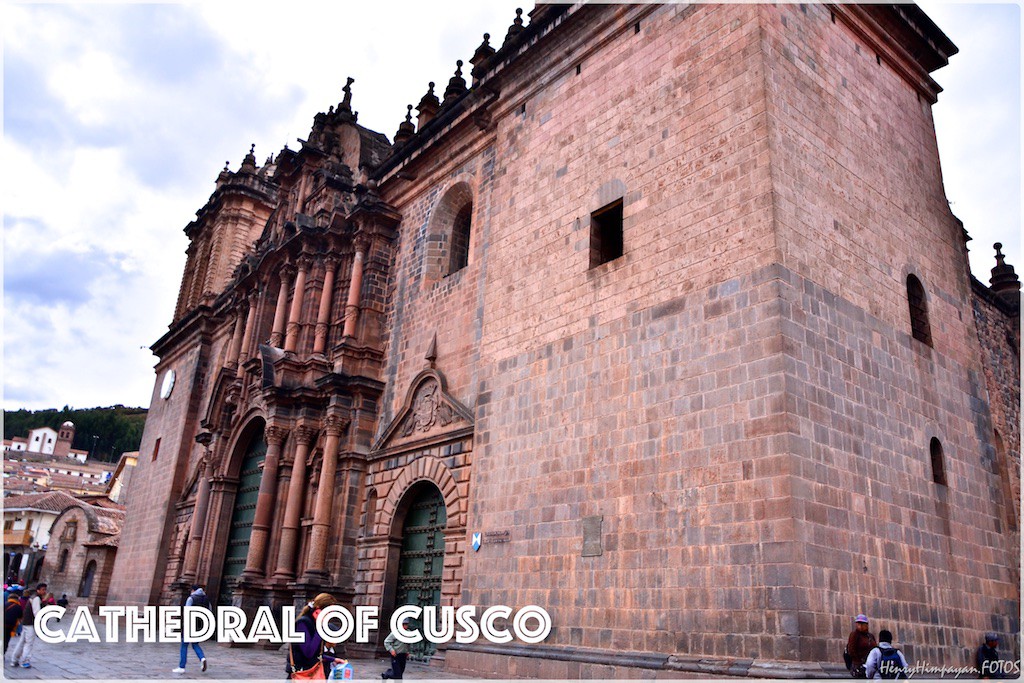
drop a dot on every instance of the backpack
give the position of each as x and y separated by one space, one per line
890 665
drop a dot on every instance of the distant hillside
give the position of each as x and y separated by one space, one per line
118 429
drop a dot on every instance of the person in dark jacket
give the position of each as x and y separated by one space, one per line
988 656
305 655
859 645
12 616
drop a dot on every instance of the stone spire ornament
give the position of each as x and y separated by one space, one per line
406 129
516 28
428 106
249 162
456 86
225 174
480 58
1004 279
431 355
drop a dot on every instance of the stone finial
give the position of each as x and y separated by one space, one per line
516 28
225 175
480 58
1004 279
406 129
456 85
249 162
431 356
428 106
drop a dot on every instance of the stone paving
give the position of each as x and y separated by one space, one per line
154 661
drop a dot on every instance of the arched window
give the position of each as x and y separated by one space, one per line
449 234
938 463
919 326
460 239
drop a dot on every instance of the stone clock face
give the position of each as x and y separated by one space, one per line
168 386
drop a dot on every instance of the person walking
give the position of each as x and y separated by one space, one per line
13 612
399 652
886 661
22 652
859 645
197 598
987 657
309 653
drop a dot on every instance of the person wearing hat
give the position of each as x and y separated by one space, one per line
858 646
197 598
988 656
399 652
22 651
13 612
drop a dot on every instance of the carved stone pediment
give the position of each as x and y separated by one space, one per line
429 414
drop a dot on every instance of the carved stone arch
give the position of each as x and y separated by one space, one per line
253 421
425 468
429 415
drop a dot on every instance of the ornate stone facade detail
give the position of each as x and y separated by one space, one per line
428 410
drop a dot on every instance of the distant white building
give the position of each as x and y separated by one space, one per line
48 442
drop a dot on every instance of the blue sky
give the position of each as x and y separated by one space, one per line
118 117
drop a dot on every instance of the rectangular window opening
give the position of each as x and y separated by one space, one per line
578 69
606 234
636 27
156 449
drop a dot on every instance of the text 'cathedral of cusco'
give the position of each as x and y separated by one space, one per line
666 303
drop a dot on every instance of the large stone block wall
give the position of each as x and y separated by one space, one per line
648 390
858 198
877 535
672 117
666 423
138 576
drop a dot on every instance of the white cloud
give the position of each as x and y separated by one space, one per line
119 117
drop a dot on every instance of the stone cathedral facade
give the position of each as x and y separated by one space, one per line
666 302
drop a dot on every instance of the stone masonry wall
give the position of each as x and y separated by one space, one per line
648 390
140 565
858 207
999 334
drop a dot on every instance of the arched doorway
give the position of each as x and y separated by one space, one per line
244 512
421 558
85 589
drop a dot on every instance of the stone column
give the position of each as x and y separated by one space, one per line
316 559
250 324
293 511
275 437
355 287
323 317
277 334
198 527
236 339
295 315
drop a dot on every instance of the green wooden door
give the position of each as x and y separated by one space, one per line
241 519
422 556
